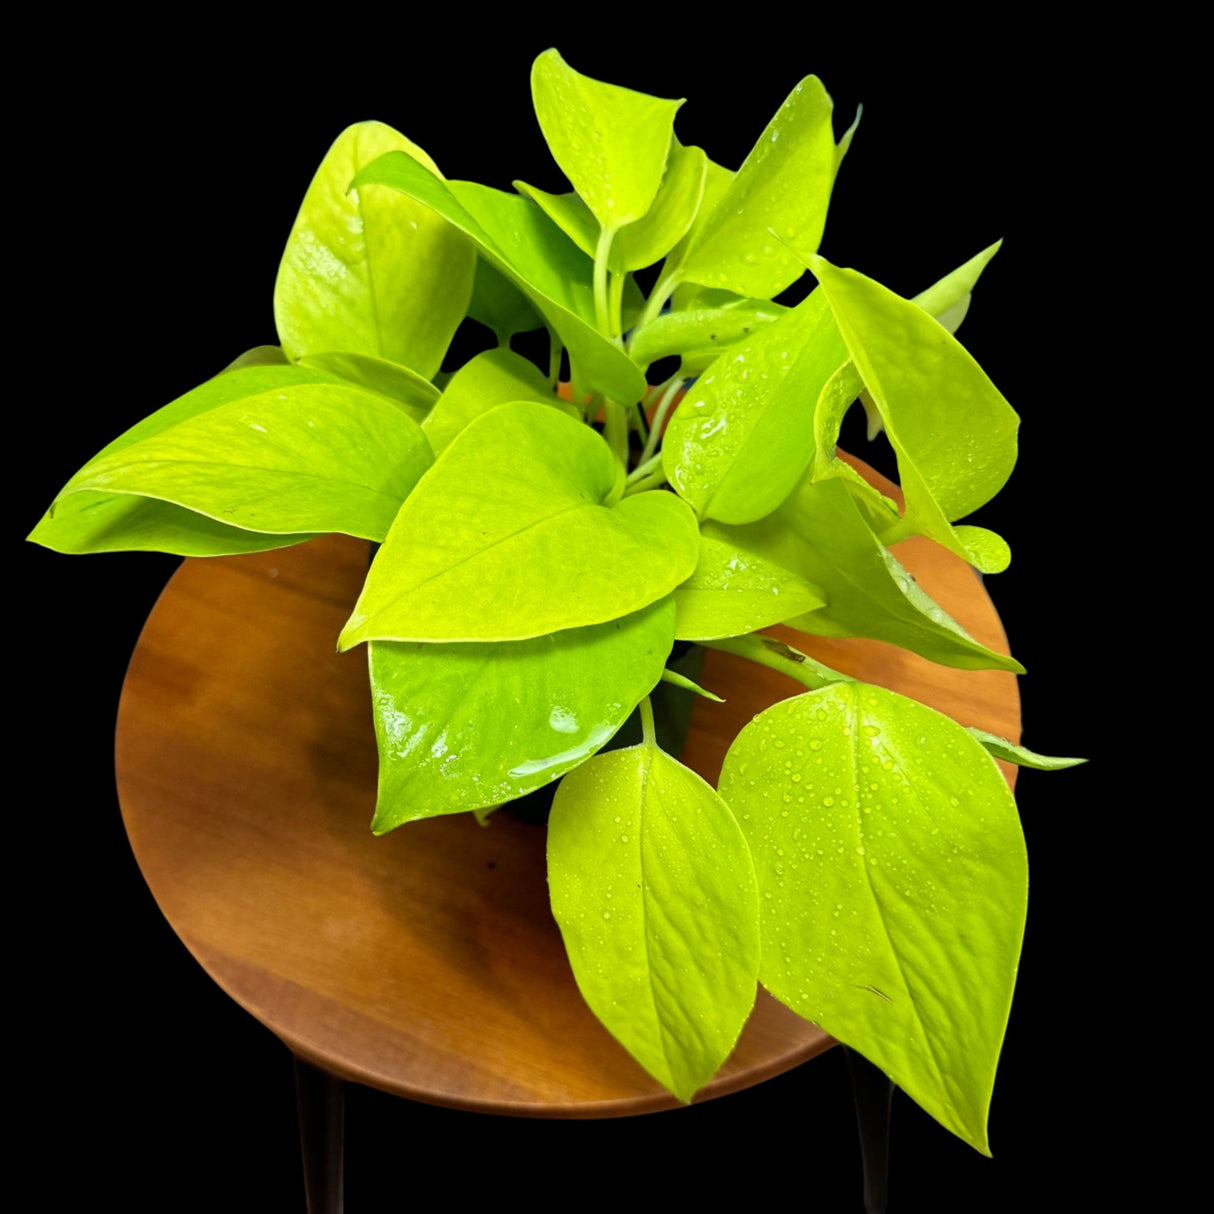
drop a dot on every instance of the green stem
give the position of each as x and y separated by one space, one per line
652 481
659 416
776 655
555 350
615 430
900 530
655 303
602 306
649 733
642 470
615 304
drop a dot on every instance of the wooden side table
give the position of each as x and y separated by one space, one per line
425 963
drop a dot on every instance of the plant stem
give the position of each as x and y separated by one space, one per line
659 416
602 306
649 733
555 350
652 481
643 470
900 530
615 430
656 302
615 305
776 655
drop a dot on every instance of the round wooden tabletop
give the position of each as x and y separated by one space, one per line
425 963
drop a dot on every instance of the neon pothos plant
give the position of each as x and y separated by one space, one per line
541 555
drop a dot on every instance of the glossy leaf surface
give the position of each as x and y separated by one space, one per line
467 726
519 530
83 520
953 432
819 534
1010 752
611 142
733 591
368 272
949 299
783 187
744 434
653 888
893 881
301 459
702 331
414 394
492 378
521 242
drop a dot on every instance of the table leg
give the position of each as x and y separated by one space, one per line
321 1100
874 1094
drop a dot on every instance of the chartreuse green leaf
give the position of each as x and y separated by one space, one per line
819 533
484 382
650 238
1010 752
652 886
609 141
702 333
521 242
259 356
733 591
304 459
519 530
782 188
411 392
367 272
952 431
85 520
949 299
465 726
499 305
744 435
893 880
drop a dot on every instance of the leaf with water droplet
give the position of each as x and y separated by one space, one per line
952 431
492 378
254 459
928 867
699 335
368 272
611 142
528 249
654 892
1010 752
464 726
519 530
819 533
784 186
733 591
743 435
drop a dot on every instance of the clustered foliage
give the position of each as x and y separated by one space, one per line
540 555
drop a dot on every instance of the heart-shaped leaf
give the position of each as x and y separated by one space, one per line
471 725
492 378
893 879
953 432
820 534
653 888
744 434
521 242
302 459
783 188
519 530
89 520
733 591
611 142
1010 752
367 272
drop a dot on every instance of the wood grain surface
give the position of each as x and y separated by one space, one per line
425 963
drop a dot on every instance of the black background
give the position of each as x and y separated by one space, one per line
153 214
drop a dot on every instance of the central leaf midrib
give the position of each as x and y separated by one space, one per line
876 900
